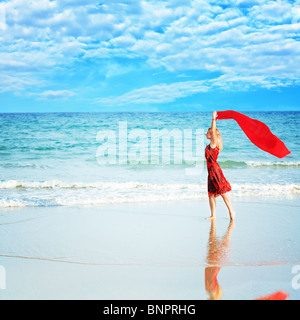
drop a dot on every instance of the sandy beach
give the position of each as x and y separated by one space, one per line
161 250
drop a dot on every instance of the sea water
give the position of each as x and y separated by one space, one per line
65 159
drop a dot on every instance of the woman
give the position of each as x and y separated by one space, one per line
217 183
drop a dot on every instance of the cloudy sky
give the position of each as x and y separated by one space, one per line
149 55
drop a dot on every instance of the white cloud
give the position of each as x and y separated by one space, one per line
238 38
55 94
18 83
123 41
157 94
273 11
165 93
229 41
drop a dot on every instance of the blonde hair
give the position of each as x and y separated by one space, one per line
220 139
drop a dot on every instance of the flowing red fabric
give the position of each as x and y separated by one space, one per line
275 296
258 133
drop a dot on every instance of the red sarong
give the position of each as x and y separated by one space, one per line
258 133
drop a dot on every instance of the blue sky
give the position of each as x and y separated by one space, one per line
133 55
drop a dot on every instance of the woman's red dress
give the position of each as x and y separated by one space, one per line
217 183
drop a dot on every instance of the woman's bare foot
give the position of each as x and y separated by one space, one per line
229 205
211 218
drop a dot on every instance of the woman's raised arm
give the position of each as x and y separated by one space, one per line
213 128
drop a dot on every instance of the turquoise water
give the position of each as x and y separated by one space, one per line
58 159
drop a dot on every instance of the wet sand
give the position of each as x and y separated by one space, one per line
162 250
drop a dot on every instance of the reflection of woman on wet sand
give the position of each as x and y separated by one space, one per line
217 253
216 257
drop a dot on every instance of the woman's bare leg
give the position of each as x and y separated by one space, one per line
213 204
229 205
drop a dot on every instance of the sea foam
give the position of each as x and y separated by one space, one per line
61 193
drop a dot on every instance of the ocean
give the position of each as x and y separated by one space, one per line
74 159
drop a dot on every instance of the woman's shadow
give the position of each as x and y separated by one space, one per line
218 250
